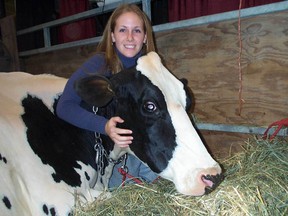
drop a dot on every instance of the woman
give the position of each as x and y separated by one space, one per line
127 36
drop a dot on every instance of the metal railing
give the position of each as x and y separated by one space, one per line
46 27
146 6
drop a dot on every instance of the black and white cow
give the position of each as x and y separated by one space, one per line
45 162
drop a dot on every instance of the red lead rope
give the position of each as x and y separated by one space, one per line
126 175
136 180
279 124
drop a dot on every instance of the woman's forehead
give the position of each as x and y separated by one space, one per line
129 19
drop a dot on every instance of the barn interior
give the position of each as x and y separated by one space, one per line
235 60
234 55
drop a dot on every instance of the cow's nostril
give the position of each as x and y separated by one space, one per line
211 181
207 180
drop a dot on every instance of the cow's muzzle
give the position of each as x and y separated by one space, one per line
212 181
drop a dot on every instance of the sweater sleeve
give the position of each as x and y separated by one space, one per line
68 107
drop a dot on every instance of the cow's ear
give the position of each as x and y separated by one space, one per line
95 90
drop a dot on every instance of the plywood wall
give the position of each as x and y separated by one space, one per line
208 56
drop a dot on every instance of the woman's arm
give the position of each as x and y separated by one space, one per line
68 107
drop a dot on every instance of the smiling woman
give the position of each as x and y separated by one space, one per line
129 34
121 17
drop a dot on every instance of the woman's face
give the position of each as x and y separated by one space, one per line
129 34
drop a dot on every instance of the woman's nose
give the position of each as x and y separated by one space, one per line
130 36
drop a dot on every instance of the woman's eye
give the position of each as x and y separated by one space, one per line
150 106
137 31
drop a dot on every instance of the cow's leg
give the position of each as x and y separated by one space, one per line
107 175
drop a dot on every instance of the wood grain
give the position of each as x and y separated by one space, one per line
208 57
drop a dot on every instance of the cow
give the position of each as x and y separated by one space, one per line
45 162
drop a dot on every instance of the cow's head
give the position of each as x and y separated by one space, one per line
154 104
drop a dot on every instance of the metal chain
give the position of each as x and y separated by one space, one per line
101 152
124 166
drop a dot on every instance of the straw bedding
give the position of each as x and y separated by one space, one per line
256 183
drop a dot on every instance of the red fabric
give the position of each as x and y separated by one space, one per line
126 175
76 30
279 124
186 9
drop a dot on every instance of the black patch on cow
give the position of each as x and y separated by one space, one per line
3 159
45 209
6 202
189 96
87 176
52 212
56 142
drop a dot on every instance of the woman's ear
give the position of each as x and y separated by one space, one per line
145 39
113 38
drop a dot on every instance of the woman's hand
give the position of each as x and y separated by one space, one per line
116 134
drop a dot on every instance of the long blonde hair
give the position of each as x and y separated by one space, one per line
105 46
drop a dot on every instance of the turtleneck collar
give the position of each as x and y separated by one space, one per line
128 61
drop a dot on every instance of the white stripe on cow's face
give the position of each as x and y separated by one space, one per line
190 149
171 88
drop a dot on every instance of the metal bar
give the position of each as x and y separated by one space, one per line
146 7
239 129
73 18
62 46
47 40
248 12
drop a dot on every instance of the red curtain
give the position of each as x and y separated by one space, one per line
186 9
77 30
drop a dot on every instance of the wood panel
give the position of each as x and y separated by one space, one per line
8 31
208 57
224 145
62 63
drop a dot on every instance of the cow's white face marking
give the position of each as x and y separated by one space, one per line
190 159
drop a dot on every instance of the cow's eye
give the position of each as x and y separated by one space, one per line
150 106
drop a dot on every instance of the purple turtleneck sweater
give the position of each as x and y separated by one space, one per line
69 105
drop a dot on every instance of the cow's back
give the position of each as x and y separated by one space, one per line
18 84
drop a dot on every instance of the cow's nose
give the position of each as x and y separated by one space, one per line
211 181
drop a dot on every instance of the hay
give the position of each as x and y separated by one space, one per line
256 183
